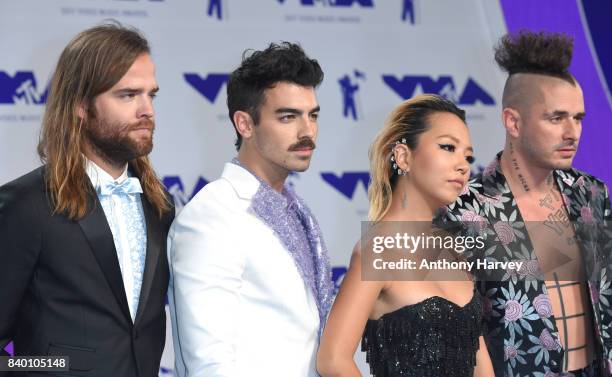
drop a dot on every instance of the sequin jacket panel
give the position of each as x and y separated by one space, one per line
522 335
433 338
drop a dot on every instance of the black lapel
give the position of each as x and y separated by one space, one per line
98 233
154 244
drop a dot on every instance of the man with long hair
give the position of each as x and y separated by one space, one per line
553 316
82 258
250 283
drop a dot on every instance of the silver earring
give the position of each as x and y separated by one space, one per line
394 166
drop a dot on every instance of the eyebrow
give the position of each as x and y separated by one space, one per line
135 90
456 141
290 110
558 113
563 113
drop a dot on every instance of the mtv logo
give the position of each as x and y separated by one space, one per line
209 87
175 187
215 9
21 88
349 88
336 3
347 183
408 14
444 86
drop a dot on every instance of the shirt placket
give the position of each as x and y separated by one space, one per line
118 207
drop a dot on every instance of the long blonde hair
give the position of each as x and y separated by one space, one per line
407 121
94 61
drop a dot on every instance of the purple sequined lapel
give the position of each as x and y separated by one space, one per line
270 206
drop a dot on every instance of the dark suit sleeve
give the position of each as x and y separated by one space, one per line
20 243
172 212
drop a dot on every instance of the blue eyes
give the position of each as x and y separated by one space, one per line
451 148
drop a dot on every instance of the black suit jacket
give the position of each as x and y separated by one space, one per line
61 290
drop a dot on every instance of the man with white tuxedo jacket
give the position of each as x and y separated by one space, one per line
250 283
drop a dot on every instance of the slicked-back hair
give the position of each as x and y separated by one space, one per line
92 63
408 121
548 54
261 70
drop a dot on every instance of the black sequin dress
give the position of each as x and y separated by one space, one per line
434 338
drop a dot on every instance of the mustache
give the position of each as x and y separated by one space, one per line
305 142
144 123
568 144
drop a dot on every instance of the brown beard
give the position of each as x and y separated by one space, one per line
112 142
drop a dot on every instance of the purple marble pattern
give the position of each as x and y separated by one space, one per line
564 16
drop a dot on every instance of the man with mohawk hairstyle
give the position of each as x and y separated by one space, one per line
542 321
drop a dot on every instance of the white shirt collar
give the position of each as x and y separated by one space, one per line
244 182
97 175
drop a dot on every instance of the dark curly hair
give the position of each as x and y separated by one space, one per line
548 54
260 70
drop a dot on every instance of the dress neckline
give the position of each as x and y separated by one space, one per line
425 301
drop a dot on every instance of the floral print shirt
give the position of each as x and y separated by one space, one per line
521 332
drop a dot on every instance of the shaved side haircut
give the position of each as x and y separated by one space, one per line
526 55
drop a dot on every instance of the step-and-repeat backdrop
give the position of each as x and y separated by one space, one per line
374 53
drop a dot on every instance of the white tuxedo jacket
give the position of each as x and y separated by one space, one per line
238 303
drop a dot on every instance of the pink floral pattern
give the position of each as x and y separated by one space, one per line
519 313
542 305
514 310
504 232
530 269
587 215
510 352
548 341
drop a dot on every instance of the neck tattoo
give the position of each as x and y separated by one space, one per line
515 165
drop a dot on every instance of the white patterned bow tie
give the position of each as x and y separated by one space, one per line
130 185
